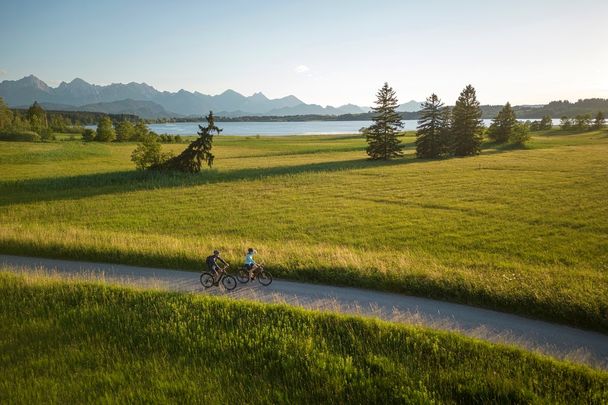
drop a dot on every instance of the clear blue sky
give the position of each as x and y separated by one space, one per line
325 52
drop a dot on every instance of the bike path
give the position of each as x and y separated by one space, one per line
553 339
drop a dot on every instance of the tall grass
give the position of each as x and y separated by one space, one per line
523 230
89 342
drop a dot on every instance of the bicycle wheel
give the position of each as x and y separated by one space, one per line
243 275
207 280
265 278
229 282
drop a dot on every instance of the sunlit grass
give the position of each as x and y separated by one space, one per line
82 342
523 230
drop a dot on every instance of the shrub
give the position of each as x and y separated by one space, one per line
47 135
88 135
19 136
520 133
148 154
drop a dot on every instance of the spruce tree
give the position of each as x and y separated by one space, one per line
503 125
467 127
382 134
199 150
447 140
429 142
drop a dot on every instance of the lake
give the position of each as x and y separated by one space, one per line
280 128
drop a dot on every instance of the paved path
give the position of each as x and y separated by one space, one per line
553 339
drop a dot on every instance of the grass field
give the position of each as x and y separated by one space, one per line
83 342
524 230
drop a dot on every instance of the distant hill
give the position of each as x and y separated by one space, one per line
113 97
410 106
143 109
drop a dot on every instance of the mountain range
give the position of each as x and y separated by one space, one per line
147 102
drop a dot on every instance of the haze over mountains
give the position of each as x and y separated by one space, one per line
147 102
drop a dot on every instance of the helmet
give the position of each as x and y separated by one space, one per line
216 252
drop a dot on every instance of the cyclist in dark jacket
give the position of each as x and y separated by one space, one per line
212 263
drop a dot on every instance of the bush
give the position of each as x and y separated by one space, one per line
148 154
19 136
88 135
520 134
47 135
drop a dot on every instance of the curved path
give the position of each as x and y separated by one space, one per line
556 340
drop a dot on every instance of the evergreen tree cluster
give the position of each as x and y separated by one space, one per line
445 132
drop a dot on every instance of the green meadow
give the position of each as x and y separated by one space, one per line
522 230
83 342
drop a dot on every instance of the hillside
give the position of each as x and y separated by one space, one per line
100 343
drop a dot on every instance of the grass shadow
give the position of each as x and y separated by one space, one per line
89 185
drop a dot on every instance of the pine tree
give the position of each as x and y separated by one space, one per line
382 134
599 122
467 127
429 142
503 125
199 150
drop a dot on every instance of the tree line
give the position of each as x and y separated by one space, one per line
124 131
444 131
441 131
33 124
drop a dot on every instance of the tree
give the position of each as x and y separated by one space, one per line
105 130
124 131
37 117
503 125
88 135
565 123
582 122
546 123
140 131
148 154
520 133
199 150
430 130
467 127
382 134
6 115
599 122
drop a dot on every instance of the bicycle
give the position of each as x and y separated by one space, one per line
264 277
208 280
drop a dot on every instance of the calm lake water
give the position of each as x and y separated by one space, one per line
280 128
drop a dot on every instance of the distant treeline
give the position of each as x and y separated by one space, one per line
553 109
82 118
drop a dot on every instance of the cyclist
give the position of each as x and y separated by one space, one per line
212 264
250 264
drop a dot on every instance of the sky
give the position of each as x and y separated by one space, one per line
323 52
